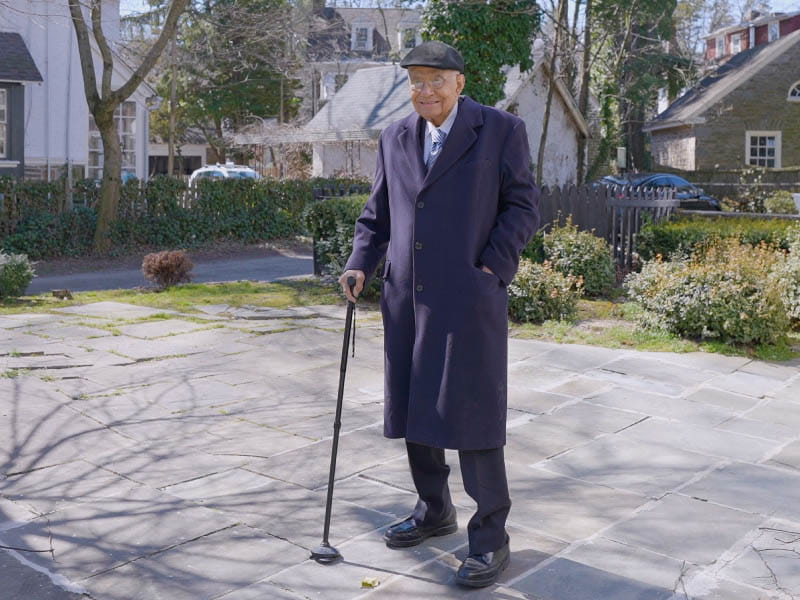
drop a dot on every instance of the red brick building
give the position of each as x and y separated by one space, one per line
758 30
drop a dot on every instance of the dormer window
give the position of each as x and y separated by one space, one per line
409 38
794 93
736 43
774 31
361 37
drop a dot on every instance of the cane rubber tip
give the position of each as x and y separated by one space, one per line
325 554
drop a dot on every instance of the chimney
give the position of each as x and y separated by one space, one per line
753 15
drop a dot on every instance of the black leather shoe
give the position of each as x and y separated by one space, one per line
480 570
407 533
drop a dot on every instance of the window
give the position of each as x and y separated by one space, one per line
794 93
720 47
763 148
362 36
409 38
125 119
3 123
774 31
736 43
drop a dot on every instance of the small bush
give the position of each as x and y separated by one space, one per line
539 293
167 268
722 291
680 236
581 254
781 202
785 276
16 273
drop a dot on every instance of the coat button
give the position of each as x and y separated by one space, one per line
419 287
418 245
420 204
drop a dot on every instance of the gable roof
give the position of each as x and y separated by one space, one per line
689 108
16 63
371 100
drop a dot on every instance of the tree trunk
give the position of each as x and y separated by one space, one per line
552 76
110 186
583 96
173 108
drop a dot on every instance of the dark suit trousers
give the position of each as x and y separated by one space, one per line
484 475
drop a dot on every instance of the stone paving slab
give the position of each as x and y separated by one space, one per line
197 467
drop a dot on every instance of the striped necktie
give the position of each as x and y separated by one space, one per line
437 136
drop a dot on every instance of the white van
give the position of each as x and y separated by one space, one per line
226 171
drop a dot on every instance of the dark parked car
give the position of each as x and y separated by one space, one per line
691 196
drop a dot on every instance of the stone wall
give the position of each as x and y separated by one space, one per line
674 147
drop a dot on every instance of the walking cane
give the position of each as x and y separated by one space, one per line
325 553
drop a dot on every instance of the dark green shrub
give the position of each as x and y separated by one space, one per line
42 235
682 235
534 251
16 273
582 254
539 293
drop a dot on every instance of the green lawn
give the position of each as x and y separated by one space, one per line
599 323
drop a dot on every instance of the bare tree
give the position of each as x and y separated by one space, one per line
103 101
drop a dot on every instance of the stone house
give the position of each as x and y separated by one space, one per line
344 133
746 113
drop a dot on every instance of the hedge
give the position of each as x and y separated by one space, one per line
682 235
160 213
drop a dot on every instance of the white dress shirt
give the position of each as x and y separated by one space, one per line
445 127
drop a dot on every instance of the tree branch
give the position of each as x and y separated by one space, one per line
85 52
170 24
102 44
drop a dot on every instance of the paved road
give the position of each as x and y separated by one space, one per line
267 268
178 459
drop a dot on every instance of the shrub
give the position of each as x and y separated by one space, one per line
722 291
582 254
16 273
539 293
781 202
43 235
680 236
786 276
167 268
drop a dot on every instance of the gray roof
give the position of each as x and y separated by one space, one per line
16 63
371 100
689 108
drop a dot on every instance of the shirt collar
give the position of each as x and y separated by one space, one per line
448 122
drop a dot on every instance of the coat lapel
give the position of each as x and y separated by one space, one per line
409 140
460 139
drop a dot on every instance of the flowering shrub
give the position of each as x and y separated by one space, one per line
785 276
539 292
725 291
581 254
16 273
167 268
781 202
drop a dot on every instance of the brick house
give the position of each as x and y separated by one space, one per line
746 113
758 30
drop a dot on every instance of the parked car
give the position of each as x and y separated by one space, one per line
691 196
226 171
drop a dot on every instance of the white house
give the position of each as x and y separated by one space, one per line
345 131
58 130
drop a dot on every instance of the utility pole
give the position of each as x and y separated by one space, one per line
172 110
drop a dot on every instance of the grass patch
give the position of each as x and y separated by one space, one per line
613 325
184 298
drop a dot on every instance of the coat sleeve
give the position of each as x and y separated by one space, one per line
518 208
371 237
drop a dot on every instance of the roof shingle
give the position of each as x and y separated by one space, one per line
16 63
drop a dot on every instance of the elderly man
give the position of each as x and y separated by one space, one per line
452 207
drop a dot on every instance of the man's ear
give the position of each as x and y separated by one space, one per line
462 81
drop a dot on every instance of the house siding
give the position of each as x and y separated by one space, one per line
721 139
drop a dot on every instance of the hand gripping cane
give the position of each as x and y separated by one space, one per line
325 553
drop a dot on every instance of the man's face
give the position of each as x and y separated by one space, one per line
434 92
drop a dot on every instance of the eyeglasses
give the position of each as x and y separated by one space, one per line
436 83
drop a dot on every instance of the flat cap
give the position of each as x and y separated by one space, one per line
434 54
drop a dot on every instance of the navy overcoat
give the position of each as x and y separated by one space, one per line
446 320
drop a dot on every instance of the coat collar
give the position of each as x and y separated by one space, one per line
461 138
